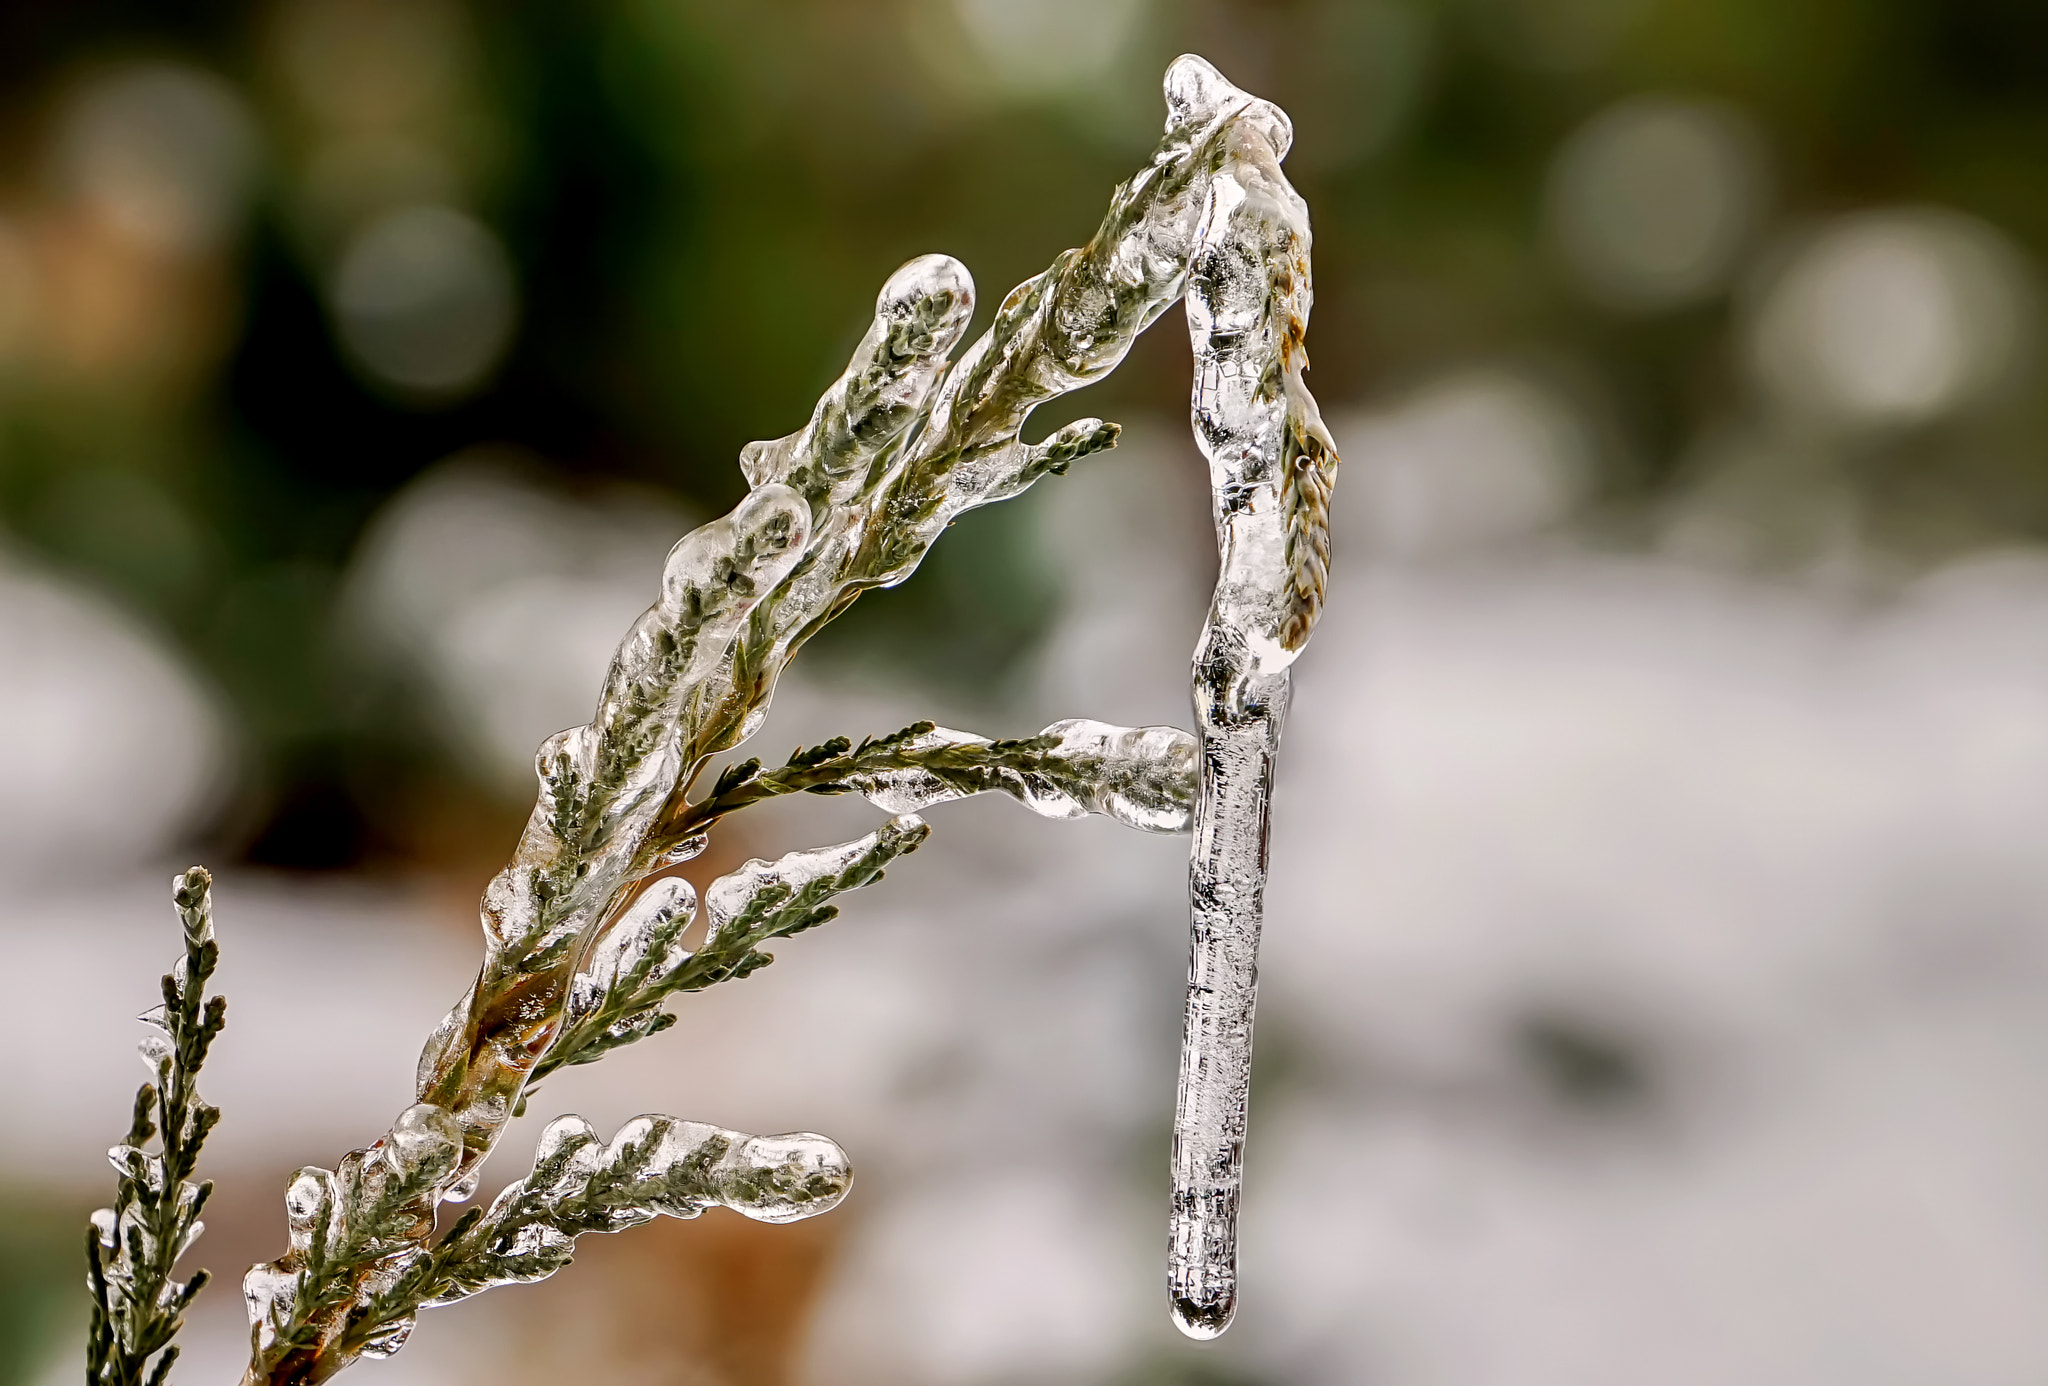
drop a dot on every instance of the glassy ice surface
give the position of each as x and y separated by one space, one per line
602 786
1270 465
1143 777
904 442
654 1166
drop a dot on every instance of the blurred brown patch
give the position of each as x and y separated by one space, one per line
720 1301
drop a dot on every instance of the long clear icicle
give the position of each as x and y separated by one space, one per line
1270 466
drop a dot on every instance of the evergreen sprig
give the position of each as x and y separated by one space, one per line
653 1166
355 1230
132 1248
831 766
631 1009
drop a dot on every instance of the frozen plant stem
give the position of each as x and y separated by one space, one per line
583 930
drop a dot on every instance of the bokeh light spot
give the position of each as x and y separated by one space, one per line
1893 318
425 301
1650 203
1469 462
1050 45
163 152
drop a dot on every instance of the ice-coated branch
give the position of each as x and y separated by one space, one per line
1054 333
602 787
640 962
356 1231
654 1166
359 1266
1144 777
132 1248
583 938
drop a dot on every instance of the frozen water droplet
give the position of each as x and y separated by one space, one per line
784 1178
424 1137
269 1293
561 1138
387 1340
687 850
304 1195
155 1051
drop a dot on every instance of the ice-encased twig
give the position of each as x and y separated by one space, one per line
602 787
655 1166
1054 333
355 1232
618 993
899 447
358 1264
1271 464
1143 777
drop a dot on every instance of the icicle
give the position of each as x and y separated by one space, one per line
654 1166
1270 462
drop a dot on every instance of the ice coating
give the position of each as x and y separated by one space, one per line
1143 777
739 900
655 1166
602 788
1270 468
898 447
642 948
834 462
1054 333
921 312
374 1209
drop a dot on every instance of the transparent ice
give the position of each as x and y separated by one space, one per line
1143 777
1271 465
583 936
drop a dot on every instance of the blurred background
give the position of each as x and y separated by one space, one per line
1656 981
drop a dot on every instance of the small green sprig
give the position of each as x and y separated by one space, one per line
132 1247
361 1224
654 1166
829 768
747 910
